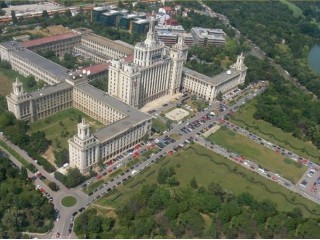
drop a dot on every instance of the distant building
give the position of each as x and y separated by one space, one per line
140 26
206 36
110 18
126 21
171 22
97 13
59 44
170 34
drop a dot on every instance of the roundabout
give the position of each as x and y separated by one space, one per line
68 201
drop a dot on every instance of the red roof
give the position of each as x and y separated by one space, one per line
44 40
95 69
129 58
172 21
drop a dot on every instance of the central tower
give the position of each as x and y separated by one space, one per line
151 50
156 71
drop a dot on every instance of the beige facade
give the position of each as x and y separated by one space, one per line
126 126
29 63
104 46
59 44
39 104
155 72
207 87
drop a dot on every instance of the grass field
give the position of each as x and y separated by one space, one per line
259 154
208 167
244 118
297 12
61 126
7 77
158 125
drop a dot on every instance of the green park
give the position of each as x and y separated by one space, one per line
261 155
207 167
63 125
244 117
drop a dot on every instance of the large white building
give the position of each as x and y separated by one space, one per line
155 72
209 87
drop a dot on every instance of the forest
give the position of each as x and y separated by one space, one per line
286 39
166 210
22 208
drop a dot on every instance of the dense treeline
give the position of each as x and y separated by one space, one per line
283 104
16 131
170 211
272 26
22 208
197 20
72 179
210 60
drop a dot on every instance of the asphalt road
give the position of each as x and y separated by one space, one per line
83 200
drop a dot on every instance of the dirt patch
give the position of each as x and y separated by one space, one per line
49 155
50 31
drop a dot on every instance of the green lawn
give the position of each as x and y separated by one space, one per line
62 125
244 118
158 125
7 77
297 12
267 158
208 167
93 186
68 201
175 136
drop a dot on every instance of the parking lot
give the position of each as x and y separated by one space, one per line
310 183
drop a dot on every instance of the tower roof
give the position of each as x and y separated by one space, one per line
151 35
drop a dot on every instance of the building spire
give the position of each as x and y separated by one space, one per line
151 35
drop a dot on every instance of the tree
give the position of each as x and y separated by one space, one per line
23 173
193 183
53 186
13 16
45 14
168 124
31 82
61 157
219 96
120 4
74 177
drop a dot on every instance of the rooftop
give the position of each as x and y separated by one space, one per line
124 44
177 28
133 115
98 68
50 90
44 40
108 42
141 21
49 66
209 33
216 80
92 52
100 9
